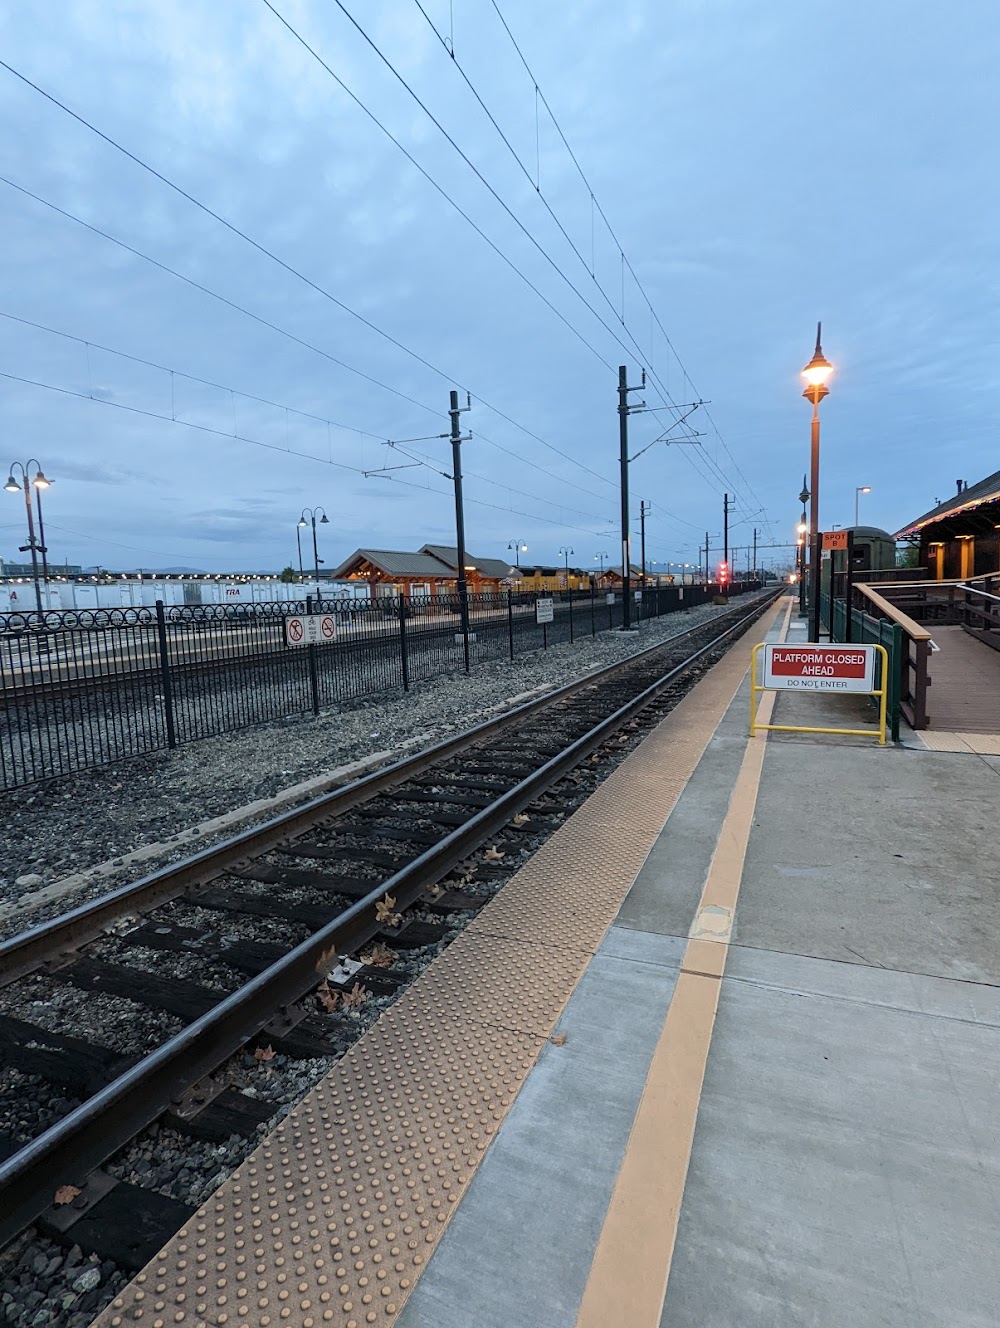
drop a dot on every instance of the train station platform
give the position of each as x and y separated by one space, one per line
725 1053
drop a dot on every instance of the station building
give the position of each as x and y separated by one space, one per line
960 538
431 570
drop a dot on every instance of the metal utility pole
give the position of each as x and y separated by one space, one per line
456 466
644 511
755 553
623 414
707 578
725 529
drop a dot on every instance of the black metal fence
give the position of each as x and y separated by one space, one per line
84 688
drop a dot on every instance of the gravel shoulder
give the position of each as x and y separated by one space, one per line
75 824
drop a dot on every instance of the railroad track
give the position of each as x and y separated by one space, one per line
381 868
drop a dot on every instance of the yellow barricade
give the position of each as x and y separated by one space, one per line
757 687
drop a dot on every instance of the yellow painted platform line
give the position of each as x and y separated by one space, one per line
628 1277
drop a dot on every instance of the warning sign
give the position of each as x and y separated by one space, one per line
310 629
820 668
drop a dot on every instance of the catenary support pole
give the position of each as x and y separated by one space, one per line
456 466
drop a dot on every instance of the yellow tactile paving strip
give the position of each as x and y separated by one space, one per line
973 744
333 1217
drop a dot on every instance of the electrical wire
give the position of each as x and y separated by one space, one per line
235 392
273 447
318 350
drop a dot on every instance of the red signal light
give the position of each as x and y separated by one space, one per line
723 573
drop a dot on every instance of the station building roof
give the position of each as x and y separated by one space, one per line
986 491
488 567
394 562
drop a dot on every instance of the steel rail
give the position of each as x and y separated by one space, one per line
52 940
95 1130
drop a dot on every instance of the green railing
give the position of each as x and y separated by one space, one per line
867 630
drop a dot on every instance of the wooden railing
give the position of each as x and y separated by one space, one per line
911 659
981 610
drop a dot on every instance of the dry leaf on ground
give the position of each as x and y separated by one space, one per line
522 818
558 1039
356 997
325 962
264 1054
328 999
493 854
379 956
65 1194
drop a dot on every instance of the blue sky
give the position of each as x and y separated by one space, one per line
762 166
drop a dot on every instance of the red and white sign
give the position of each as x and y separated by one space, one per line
310 629
808 668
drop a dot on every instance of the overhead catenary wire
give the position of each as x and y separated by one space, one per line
265 251
234 392
274 447
319 350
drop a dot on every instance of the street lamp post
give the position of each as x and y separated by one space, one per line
519 547
298 544
34 545
816 372
602 557
312 513
803 529
566 553
861 488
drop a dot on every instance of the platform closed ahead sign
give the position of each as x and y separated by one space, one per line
809 668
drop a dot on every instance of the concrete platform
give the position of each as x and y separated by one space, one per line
789 1119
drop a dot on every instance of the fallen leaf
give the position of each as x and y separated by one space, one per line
65 1194
522 818
325 962
328 999
558 1039
356 997
379 956
384 908
493 854
264 1054
117 788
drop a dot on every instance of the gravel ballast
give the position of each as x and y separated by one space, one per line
71 825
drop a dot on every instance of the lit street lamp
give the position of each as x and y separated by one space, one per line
34 545
816 373
862 488
519 547
602 557
566 553
311 512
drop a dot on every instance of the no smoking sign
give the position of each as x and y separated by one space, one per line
310 629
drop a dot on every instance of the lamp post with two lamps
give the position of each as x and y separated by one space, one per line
519 547
816 373
311 513
566 556
602 557
36 544
861 488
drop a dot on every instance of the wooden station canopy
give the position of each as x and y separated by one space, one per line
433 568
960 537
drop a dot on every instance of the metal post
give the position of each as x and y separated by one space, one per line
725 530
571 637
404 657
32 542
313 674
814 569
849 588
643 509
755 553
166 682
456 466
298 541
510 621
623 460
316 560
593 608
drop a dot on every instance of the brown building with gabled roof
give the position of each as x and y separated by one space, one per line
432 570
959 538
